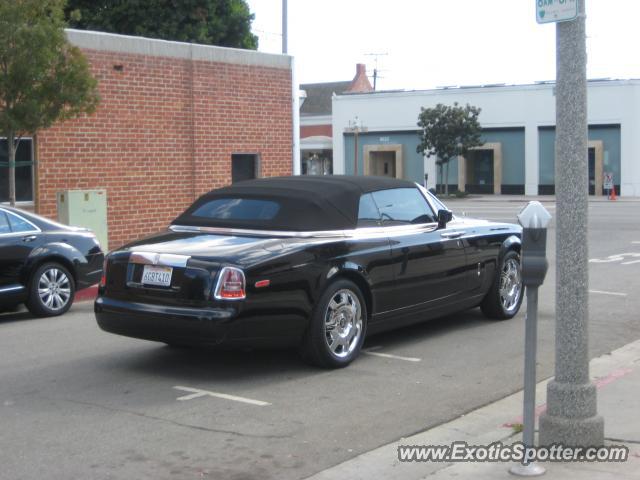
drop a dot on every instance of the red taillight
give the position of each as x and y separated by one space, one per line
103 278
231 284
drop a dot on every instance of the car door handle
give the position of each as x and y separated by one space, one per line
29 238
457 234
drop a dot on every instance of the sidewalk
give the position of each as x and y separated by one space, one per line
617 376
528 198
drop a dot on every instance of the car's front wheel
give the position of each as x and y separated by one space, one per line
505 295
51 290
337 328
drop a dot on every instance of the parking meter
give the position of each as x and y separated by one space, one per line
534 219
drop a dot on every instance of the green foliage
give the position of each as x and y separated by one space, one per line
448 132
43 79
211 22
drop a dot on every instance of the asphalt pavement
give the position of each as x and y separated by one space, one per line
78 403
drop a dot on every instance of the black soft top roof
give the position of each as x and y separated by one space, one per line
307 203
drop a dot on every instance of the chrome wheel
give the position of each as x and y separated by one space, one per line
54 289
510 285
343 323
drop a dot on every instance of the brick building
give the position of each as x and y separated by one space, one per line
175 121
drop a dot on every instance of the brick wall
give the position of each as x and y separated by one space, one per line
164 134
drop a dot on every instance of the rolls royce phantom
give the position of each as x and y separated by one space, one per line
313 262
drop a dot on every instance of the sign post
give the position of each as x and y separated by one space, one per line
550 11
608 183
571 418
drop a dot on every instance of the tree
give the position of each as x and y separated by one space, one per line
211 22
448 132
43 79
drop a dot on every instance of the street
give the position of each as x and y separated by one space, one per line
78 403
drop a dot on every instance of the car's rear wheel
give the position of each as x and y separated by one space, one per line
337 328
505 295
51 290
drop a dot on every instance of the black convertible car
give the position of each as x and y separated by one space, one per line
44 263
316 262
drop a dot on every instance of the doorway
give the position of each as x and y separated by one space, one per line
596 167
481 170
480 167
383 160
382 164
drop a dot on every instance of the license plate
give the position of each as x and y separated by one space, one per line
157 275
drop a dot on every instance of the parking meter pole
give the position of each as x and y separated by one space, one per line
535 219
531 341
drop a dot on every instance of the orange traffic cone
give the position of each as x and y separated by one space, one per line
613 194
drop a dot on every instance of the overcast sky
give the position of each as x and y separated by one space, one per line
431 43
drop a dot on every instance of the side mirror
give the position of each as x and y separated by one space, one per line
444 217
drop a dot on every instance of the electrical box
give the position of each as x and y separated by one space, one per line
85 208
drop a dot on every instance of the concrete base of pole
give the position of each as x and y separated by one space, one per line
531 470
571 418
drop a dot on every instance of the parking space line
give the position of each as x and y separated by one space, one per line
601 292
196 393
369 351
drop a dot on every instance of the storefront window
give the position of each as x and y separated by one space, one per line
24 171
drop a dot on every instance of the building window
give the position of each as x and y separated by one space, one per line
317 162
244 167
24 170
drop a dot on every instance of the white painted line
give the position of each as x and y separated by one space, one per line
601 292
630 263
369 351
196 392
635 243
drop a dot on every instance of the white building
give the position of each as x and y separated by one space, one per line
518 129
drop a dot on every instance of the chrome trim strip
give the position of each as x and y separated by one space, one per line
164 259
15 288
259 233
354 233
456 234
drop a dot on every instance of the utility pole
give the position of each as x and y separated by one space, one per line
284 27
571 417
355 127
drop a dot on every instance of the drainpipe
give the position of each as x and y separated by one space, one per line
295 93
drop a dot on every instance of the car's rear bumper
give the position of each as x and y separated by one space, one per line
195 326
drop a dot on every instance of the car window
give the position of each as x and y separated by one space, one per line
368 214
4 223
237 209
19 225
400 206
439 205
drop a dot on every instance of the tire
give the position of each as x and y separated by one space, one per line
337 326
505 295
51 290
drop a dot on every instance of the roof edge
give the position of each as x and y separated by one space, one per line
112 42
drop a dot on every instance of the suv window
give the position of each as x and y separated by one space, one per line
4 223
401 206
368 214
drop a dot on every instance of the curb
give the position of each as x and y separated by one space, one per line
87 294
